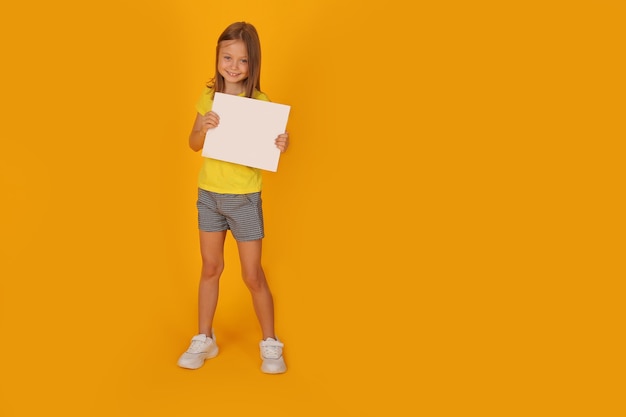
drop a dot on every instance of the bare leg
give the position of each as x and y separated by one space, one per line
254 278
212 250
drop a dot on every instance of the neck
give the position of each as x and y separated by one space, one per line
234 89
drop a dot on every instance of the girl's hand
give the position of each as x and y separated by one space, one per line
210 121
282 141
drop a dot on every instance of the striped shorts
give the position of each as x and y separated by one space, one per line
242 214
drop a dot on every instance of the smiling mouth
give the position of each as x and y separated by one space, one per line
234 75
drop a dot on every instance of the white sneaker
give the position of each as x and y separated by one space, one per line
201 349
272 355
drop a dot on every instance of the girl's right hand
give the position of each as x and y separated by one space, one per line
210 121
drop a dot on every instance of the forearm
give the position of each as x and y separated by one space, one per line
196 140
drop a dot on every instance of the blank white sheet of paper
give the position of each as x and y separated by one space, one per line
246 132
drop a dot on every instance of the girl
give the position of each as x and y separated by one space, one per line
229 198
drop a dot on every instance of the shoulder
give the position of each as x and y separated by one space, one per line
207 92
205 101
259 95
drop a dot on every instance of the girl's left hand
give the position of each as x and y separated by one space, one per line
282 141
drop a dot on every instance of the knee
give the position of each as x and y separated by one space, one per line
255 281
211 270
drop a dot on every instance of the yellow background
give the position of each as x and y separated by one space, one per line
444 236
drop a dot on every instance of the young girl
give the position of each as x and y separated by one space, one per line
229 198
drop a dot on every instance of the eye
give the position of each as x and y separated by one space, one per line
227 58
244 61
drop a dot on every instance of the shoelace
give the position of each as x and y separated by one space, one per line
271 350
196 346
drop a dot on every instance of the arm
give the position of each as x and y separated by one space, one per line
200 126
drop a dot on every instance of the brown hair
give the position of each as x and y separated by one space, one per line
247 33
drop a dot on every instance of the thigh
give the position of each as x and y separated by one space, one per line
244 214
212 247
210 219
250 256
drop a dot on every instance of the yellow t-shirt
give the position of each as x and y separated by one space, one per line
226 177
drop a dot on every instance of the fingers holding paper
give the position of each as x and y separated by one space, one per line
210 121
282 141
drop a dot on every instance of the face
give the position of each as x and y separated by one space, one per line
233 62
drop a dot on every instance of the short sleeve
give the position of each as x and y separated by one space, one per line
205 102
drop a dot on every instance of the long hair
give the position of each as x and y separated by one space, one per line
247 33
